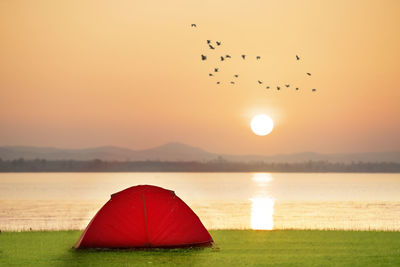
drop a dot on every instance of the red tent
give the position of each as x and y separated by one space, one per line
144 216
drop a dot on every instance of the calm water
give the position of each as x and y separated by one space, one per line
221 200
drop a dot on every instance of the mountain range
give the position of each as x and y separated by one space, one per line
181 152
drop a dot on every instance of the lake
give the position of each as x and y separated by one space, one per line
351 201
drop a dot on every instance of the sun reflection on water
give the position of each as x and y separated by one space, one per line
262 205
262 179
262 211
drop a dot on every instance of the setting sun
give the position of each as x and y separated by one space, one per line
261 124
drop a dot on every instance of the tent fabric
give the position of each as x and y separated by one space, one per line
144 216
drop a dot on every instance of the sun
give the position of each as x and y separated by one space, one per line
261 124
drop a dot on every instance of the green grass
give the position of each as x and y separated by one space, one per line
233 248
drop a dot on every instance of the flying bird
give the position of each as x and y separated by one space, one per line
210 74
203 57
309 74
232 82
218 43
287 85
228 56
267 87
297 88
208 41
278 88
260 82
211 47
218 82
216 69
314 90
194 25
258 57
222 58
244 56
236 75
297 57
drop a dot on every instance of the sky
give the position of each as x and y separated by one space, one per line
77 74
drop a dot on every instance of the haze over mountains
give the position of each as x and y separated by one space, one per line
180 152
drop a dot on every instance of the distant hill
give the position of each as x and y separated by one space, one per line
181 152
167 152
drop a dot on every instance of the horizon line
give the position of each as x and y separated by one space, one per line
197 147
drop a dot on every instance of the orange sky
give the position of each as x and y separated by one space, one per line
128 73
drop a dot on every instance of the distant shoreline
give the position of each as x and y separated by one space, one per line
40 165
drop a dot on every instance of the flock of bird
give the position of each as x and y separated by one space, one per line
213 45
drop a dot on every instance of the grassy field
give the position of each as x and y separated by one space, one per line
233 248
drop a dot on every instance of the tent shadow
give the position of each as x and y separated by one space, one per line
137 256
